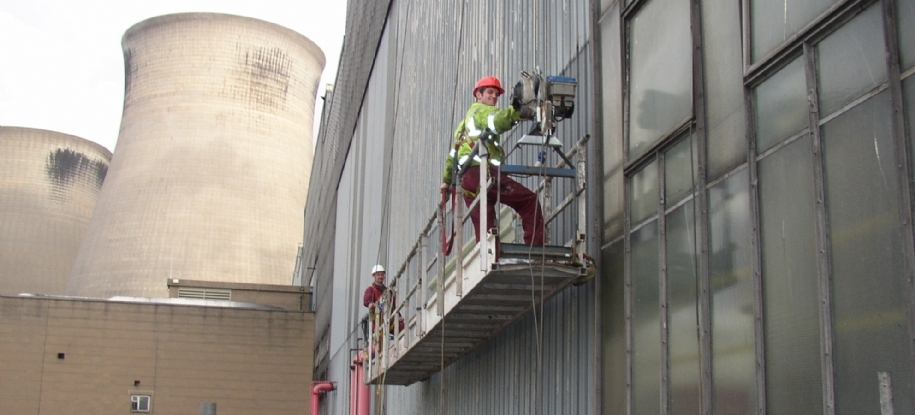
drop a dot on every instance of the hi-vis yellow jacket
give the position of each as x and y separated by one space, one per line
480 117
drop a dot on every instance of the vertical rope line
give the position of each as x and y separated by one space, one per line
457 71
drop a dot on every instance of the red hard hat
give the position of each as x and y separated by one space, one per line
490 82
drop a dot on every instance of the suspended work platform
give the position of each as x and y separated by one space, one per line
487 286
494 296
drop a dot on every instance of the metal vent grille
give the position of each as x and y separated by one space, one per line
204 293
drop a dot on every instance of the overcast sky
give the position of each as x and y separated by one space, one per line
62 67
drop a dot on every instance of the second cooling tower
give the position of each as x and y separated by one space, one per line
210 174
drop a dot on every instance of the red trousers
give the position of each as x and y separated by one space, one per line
512 194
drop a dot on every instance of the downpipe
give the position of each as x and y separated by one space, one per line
363 399
317 387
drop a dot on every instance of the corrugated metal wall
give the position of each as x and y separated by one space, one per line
391 154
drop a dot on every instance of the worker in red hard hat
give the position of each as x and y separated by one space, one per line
484 116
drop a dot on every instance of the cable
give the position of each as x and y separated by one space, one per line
457 69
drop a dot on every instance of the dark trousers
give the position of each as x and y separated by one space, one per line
513 195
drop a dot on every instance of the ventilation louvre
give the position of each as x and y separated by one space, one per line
205 293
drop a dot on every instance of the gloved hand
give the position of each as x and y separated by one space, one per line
517 94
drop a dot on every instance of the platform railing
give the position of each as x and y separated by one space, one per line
417 289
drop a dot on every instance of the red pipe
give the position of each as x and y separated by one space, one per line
317 387
363 399
352 388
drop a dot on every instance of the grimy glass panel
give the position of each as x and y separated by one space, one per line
790 290
868 267
680 170
852 60
613 329
722 51
730 278
644 193
660 72
612 105
781 106
774 21
682 308
905 9
646 322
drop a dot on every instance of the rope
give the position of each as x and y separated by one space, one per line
457 70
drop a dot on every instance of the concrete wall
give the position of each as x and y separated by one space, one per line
84 356
49 184
213 158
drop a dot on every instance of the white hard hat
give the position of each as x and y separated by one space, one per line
377 268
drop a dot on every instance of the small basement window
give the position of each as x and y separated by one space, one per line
139 403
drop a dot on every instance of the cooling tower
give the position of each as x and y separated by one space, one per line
212 161
49 183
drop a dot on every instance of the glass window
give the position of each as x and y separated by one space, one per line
646 322
722 52
868 269
905 9
612 121
781 106
852 60
790 288
613 329
773 22
680 170
660 72
682 308
644 193
732 287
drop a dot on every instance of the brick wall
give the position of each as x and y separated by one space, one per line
69 356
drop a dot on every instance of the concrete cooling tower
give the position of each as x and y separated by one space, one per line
49 184
211 167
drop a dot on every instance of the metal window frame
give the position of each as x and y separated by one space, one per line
824 268
802 44
903 167
691 127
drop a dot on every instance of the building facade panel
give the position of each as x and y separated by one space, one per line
427 60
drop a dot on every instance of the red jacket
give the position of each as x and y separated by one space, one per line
373 294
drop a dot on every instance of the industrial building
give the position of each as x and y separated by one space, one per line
212 163
748 205
49 187
158 356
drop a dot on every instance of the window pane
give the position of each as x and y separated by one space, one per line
773 22
682 308
868 270
644 193
852 60
790 281
680 170
660 71
646 323
613 329
612 121
730 277
722 51
905 9
781 106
